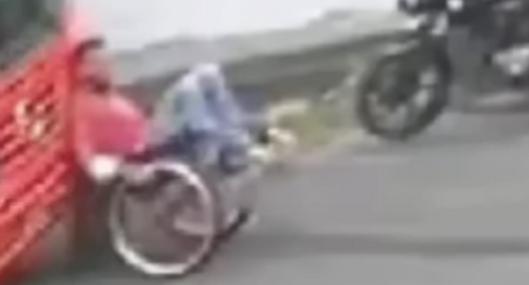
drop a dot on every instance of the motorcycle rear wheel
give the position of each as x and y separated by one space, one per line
433 107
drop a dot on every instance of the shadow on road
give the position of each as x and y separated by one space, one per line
282 246
310 245
458 131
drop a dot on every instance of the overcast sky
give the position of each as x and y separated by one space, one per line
132 23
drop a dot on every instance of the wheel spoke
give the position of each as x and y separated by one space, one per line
399 117
428 78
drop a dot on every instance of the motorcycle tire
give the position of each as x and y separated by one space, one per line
427 116
209 203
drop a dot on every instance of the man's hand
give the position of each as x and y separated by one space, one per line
103 168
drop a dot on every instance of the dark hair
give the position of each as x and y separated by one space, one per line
89 45
80 53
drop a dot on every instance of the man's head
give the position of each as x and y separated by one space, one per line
210 78
94 69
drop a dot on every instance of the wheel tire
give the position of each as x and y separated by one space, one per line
432 110
141 263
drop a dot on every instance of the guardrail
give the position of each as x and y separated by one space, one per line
264 80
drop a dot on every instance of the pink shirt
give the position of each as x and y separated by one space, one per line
109 125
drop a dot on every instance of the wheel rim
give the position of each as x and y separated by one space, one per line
133 254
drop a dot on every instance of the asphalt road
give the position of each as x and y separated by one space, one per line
450 207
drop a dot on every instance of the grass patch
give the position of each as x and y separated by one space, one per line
318 126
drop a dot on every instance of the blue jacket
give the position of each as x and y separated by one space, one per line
189 106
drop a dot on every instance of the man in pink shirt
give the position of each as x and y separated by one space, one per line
106 121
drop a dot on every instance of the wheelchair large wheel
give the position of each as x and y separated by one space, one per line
168 228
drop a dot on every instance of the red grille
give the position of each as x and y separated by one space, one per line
35 157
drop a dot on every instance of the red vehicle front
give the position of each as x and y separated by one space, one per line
37 169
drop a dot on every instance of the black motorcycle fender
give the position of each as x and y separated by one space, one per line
415 47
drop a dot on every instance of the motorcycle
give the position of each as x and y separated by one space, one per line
408 86
166 215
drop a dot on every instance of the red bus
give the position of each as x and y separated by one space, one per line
37 174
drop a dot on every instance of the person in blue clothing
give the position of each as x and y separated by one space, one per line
201 113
